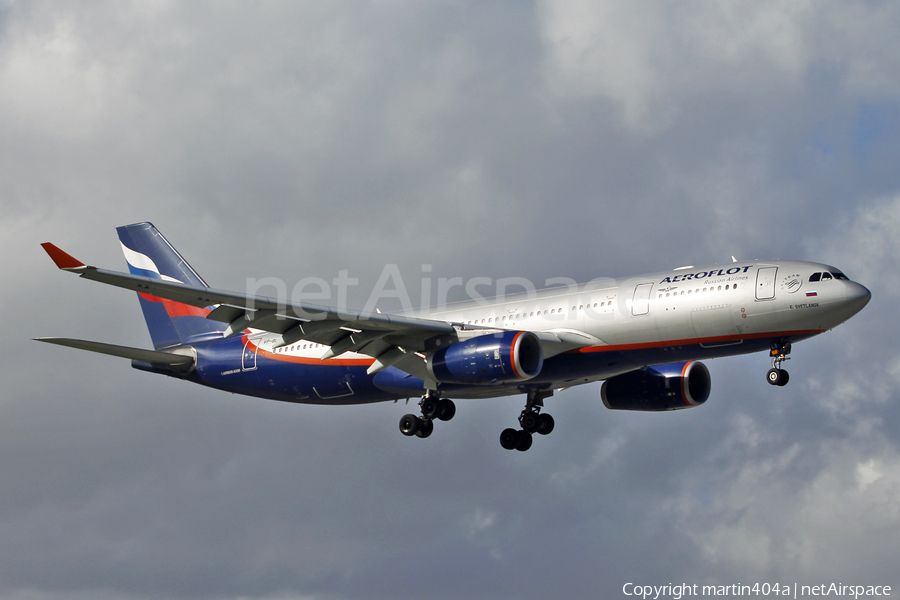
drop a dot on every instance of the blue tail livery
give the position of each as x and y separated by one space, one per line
642 336
149 254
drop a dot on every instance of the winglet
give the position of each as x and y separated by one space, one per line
62 260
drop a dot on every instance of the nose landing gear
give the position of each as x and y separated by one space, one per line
779 353
432 407
531 420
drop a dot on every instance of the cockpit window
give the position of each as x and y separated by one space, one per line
826 275
815 277
839 275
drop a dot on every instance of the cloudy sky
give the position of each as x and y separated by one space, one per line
554 138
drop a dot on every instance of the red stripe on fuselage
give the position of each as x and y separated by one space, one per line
694 341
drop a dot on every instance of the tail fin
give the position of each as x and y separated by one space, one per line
149 254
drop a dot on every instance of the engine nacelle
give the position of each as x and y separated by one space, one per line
664 387
494 358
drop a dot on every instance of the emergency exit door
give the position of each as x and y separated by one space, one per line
765 283
640 303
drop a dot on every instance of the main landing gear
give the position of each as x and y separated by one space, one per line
531 420
432 408
779 354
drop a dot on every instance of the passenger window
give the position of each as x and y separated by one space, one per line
826 275
815 277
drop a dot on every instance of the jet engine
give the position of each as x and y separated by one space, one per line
664 387
494 358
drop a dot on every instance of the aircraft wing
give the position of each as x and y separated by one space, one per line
389 339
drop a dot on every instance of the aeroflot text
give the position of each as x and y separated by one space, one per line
676 592
704 274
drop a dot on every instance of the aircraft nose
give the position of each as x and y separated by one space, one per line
856 296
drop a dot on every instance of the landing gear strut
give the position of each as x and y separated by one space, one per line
531 420
779 354
432 407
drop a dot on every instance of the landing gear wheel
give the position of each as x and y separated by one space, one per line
545 424
778 377
530 421
410 424
785 377
508 439
524 441
446 410
430 406
425 430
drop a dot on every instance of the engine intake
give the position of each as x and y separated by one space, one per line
494 358
664 387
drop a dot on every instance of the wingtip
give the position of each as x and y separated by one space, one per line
62 259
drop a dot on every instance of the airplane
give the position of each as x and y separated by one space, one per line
642 336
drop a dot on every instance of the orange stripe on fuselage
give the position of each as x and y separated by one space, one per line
340 362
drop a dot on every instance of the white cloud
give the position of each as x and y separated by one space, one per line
767 522
870 243
650 58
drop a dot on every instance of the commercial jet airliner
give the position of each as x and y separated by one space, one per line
641 335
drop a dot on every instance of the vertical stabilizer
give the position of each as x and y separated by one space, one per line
149 254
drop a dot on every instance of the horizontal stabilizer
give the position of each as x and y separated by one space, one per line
178 362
